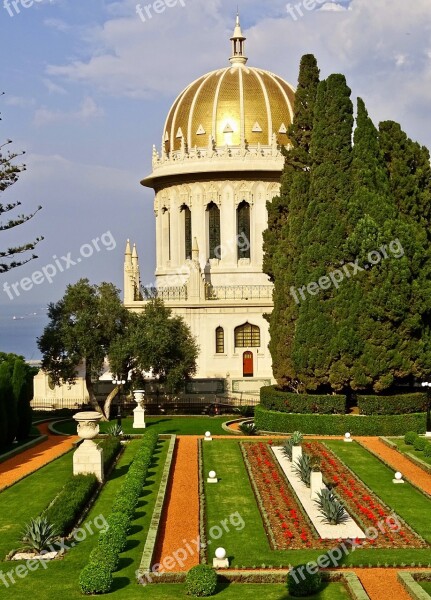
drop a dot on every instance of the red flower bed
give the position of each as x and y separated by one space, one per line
364 506
289 527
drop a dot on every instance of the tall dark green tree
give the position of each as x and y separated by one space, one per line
282 239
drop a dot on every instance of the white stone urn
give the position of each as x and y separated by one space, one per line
139 411
88 457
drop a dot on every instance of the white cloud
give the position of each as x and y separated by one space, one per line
58 24
334 7
87 110
20 101
54 88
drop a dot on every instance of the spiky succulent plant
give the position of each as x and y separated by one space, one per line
287 449
39 534
302 468
115 430
330 508
248 428
297 438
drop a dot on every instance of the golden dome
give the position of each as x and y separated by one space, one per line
236 105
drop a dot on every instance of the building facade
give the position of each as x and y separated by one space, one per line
219 164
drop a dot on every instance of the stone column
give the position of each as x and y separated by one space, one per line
88 457
139 411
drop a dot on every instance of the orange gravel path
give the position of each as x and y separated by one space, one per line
28 461
180 522
398 462
382 584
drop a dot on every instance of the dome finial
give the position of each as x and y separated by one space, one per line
238 44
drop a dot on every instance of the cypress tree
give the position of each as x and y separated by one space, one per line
7 406
285 213
22 389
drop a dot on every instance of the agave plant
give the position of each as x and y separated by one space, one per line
248 428
39 534
315 463
115 430
330 508
302 468
297 438
287 449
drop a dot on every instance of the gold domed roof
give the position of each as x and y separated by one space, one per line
236 105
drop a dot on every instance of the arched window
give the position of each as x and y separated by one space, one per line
219 340
187 231
243 229
214 230
247 336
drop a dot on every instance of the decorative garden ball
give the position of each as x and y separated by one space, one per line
347 436
220 553
398 476
212 474
208 434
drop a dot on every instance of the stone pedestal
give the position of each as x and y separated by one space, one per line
139 411
220 563
212 480
88 458
316 483
428 434
296 454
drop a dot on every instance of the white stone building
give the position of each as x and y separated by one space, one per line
220 162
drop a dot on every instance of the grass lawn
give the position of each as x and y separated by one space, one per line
250 547
426 585
178 425
405 500
404 448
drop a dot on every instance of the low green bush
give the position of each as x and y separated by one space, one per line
397 404
201 581
301 583
67 507
267 420
420 444
410 438
104 552
427 450
273 398
111 447
95 578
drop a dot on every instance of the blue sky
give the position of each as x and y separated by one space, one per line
88 86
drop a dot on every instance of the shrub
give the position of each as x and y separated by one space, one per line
248 428
330 508
427 450
410 437
95 578
70 502
111 447
201 581
104 552
39 534
267 420
397 404
302 583
273 398
245 411
420 444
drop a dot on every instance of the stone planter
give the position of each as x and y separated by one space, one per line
139 411
316 483
88 458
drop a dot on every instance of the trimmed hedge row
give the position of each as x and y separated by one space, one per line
96 576
398 404
267 420
111 446
420 444
273 398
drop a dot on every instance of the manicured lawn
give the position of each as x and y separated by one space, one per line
426 585
408 502
405 448
174 425
250 547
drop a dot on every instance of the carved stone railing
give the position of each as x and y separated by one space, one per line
165 292
238 292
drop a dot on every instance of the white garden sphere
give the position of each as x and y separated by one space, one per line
212 474
398 476
207 434
220 553
347 436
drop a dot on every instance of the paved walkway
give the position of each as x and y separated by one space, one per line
382 584
179 531
398 462
28 461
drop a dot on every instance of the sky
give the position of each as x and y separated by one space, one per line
88 85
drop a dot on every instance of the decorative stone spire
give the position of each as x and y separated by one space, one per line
238 45
128 253
195 250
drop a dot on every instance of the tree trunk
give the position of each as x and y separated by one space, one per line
108 401
92 395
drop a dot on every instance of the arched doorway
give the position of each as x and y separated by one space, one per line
247 364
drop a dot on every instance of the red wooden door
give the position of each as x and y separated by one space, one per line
247 364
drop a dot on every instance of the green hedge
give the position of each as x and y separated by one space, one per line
111 447
398 404
273 398
267 420
96 577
